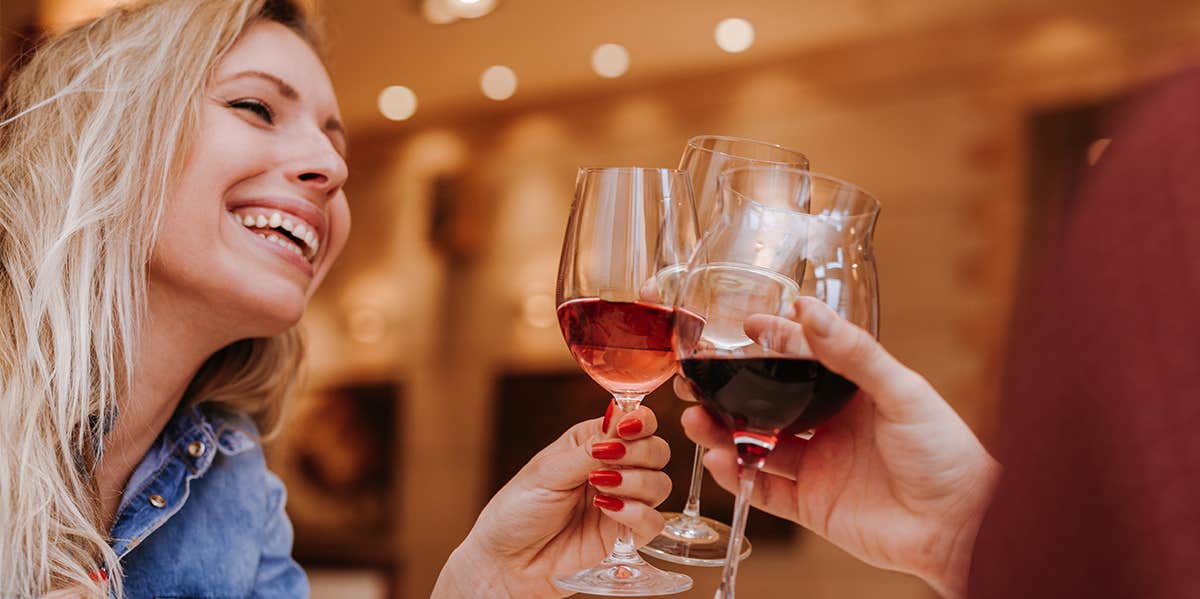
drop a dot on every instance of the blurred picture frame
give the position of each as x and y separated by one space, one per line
336 456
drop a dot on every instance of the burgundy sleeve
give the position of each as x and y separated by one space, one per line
1099 428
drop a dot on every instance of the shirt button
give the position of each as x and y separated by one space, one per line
196 449
158 501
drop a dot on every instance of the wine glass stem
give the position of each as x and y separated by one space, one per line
741 510
624 550
691 510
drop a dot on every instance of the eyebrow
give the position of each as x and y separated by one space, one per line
332 124
285 90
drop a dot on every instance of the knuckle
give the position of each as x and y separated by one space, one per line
580 432
665 487
682 390
662 452
863 349
910 385
649 422
649 524
780 336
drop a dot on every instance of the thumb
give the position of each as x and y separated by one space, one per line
899 393
564 464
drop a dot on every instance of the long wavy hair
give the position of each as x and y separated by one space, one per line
94 130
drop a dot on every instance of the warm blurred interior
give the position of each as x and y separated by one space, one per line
436 364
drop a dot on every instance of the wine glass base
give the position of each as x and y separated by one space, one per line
693 548
697 530
634 579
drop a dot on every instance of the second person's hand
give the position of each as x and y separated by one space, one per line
897 479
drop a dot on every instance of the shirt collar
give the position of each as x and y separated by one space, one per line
183 451
232 432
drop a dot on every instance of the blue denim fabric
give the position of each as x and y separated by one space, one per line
221 530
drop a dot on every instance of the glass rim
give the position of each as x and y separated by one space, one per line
632 169
873 207
694 142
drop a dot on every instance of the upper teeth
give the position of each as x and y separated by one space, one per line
297 228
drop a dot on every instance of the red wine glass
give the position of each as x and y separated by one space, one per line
628 240
741 290
689 538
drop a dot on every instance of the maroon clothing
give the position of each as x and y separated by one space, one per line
1100 423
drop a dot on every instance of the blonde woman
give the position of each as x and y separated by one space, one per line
170 197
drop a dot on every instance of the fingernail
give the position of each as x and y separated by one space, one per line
819 321
629 427
608 450
607 417
612 504
604 478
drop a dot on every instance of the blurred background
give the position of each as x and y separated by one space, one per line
436 364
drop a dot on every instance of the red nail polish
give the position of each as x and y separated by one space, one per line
608 450
629 428
612 504
604 478
607 417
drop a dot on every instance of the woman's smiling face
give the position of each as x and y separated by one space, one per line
258 214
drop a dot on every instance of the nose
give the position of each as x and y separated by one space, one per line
318 167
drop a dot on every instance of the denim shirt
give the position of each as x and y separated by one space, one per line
203 517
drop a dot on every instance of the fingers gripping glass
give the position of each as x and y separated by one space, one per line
740 348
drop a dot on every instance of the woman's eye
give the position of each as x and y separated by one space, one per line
258 108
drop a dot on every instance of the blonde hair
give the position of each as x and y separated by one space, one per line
93 131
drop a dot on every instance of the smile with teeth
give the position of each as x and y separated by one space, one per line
284 230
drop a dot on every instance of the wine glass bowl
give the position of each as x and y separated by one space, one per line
707 156
625 346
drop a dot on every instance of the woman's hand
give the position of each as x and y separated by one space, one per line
559 514
897 479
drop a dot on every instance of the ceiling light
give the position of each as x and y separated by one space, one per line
471 9
610 60
397 102
735 35
441 12
438 12
498 82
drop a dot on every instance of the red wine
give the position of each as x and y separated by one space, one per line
623 346
759 397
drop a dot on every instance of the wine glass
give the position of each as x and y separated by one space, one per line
629 236
706 157
689 538
742 287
